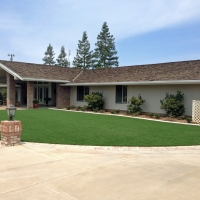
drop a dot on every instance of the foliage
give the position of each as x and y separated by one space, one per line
112 111
134 104
150 114
157 116
62 59
105 53
94 100
4 93
117 111
35 101
49 56
189 119
83 57
173 105
68 107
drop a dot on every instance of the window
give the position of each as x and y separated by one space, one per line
121 94
81 92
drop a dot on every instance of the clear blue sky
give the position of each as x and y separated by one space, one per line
145 31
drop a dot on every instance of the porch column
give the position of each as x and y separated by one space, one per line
10 89
62 96
30 88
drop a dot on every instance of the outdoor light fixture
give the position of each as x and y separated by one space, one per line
11 112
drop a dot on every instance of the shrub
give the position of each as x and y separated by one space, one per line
95 109
157 116
134 104
189 119
68 107
150 114
84 108
117 111
112 111
173 105
101 111
94 100
78 108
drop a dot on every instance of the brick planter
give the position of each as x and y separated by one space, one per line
10 132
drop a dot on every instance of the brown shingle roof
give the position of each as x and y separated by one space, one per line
185 70
38 71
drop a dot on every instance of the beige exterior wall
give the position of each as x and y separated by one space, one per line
151 93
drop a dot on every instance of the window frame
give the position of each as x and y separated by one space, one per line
121 94
81 92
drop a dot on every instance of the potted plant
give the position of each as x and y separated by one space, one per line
17 104
35 103
47 99
4 95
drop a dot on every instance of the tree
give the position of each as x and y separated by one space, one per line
105 53
49 56
83 57
62 60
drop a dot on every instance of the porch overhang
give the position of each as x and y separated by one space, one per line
18 77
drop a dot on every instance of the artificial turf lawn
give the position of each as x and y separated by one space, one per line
61 127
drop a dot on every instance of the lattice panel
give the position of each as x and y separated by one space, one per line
196 111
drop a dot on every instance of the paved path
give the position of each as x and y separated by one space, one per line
45 172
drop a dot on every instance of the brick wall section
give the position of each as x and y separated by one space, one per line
10 132
30 88
62 96
10 89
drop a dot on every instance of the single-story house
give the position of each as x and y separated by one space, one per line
67 86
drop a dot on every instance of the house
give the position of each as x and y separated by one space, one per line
67 86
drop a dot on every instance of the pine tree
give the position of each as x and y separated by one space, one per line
62 60
83 57
49 56
105 53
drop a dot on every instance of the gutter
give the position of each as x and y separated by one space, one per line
170 82
45 80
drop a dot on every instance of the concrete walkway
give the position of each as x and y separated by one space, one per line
45 172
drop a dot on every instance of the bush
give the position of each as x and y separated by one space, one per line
157 116
112 111
68 107
101 111
134 104
78 108
117 111
150 114
173 105
189 119
94 100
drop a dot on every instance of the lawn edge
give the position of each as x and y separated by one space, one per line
118 115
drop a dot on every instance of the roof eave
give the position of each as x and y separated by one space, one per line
10 71
169 82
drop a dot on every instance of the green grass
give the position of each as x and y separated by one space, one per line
59 127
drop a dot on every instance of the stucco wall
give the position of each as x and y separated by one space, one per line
151 93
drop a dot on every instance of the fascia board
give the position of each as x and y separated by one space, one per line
170 82
45 80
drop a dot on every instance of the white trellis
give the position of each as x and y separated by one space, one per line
196 111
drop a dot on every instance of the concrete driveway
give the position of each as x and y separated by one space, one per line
44 171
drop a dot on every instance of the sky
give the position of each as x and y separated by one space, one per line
145 31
